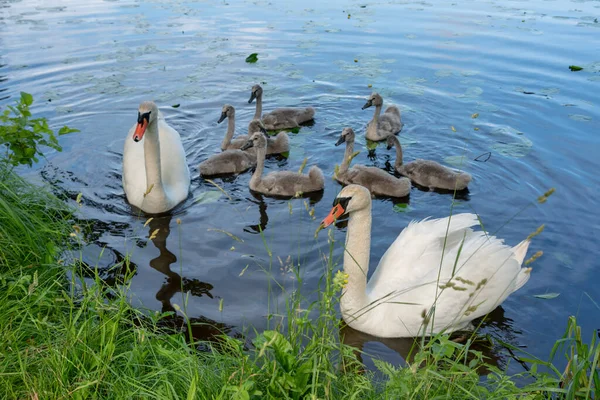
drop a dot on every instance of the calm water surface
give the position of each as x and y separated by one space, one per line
89 64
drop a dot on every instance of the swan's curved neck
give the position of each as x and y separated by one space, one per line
347 155
258 111
152 159
354 301
261 153
377 113
229 135
398 147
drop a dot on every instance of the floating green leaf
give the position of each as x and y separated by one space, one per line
575 68
372 145
516 149
252 58
65 129
401 207
176 105
456 161
579 117
210 196
547 296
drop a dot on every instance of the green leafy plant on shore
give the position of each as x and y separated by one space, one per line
21 135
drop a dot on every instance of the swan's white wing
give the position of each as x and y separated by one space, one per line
415 241
477 272
475 278
174 168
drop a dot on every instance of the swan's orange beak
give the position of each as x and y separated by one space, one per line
336 212
140 129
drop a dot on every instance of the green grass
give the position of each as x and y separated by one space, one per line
63 338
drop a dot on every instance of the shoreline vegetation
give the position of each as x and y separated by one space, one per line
63 336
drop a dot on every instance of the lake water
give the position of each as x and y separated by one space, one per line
89 64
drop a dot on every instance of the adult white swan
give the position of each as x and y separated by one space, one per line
155 173
438 275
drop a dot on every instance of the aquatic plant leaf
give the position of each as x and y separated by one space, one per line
456 161
517 149
575 68
372 145
401 207
579 117
547 296
252 58
65 129
176 105
210 196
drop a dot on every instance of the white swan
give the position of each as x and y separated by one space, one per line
469 272
155 173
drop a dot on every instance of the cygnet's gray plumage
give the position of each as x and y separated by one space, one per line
280 118
278 144
382 125
275 145
231 161
281 183
228 162
228 142
428 173
376 180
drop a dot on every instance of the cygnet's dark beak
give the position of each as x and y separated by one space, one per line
368 104
262 129
223 116
252 97
341 140
248 144
389 146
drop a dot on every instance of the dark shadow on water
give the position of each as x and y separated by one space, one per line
313 197
202 328
458 194
114 271
118 270
3 79
227 178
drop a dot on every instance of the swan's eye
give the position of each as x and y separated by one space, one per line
342 201
144 116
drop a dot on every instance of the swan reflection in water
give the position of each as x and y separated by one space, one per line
202 328
264 217
259 199
495 326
